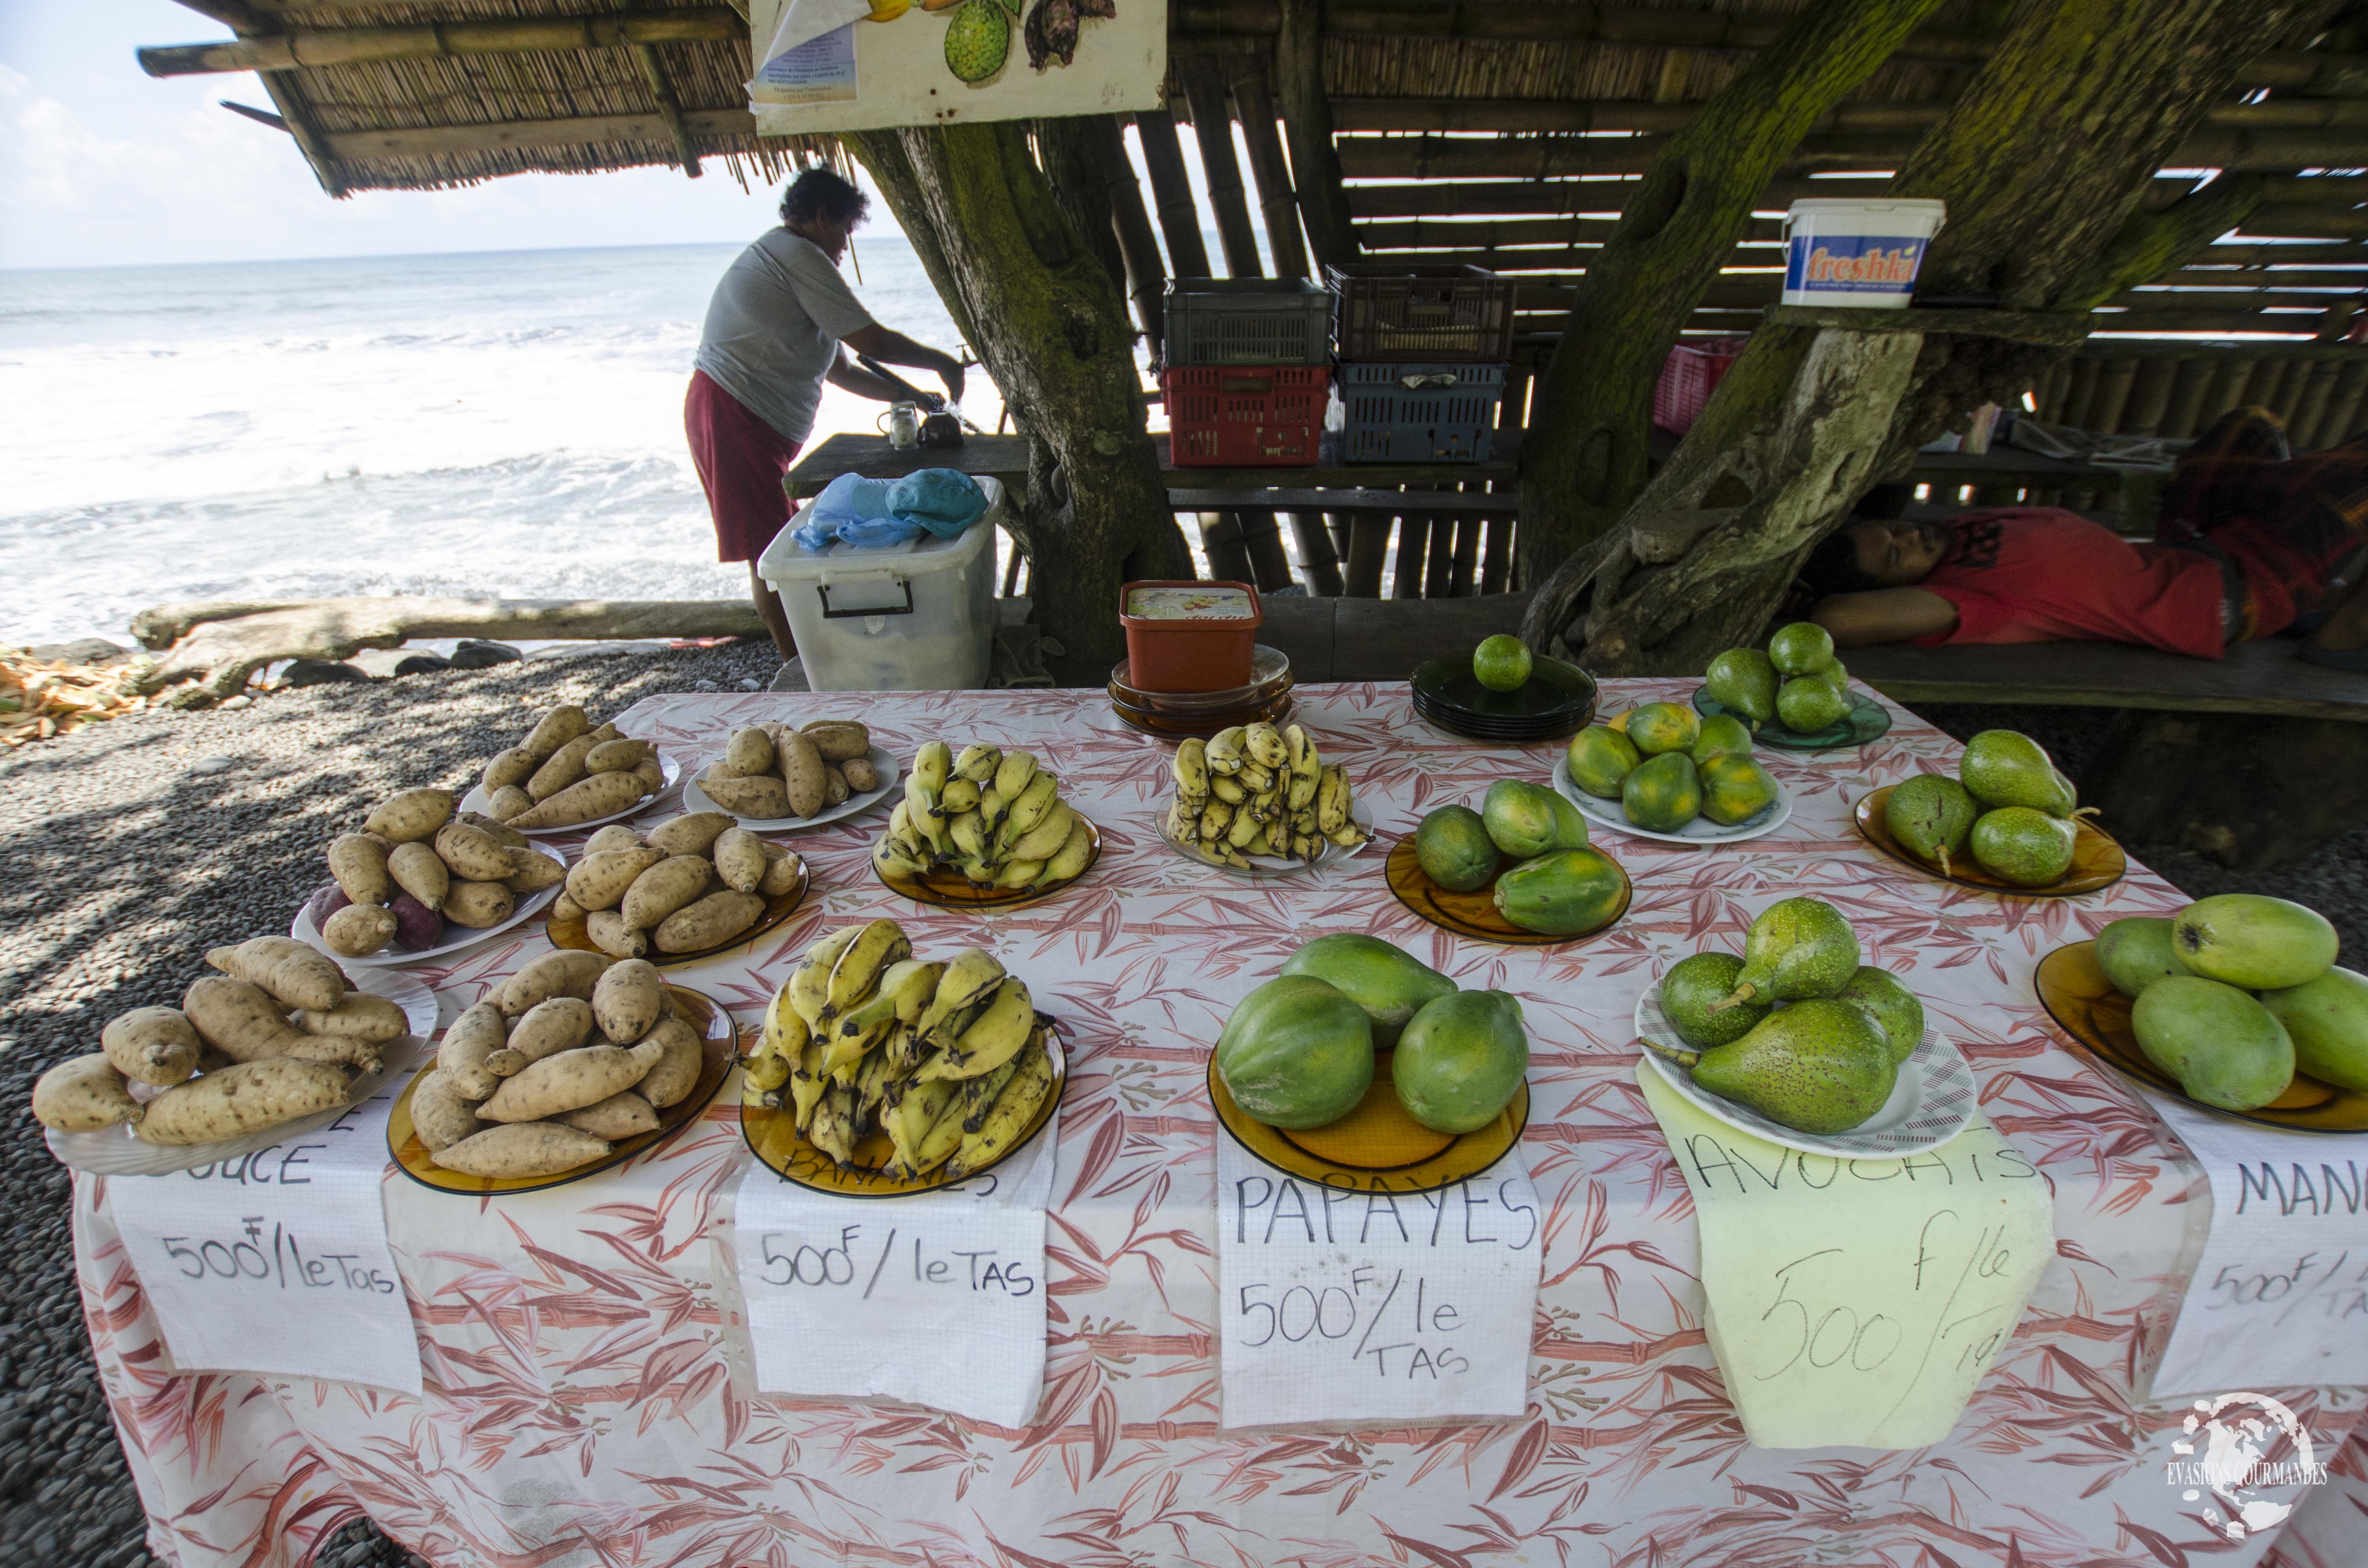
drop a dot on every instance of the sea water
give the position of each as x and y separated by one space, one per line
503 423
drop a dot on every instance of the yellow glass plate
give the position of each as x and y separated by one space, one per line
773 1137
2074 990
573 934
1475 914
701 1013
1377 1147
2097 859
949 889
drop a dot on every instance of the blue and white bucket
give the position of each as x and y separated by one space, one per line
1840 251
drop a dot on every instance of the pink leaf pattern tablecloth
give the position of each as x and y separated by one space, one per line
588 1398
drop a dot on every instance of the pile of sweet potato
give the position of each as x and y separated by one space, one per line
415 866
770 771
691 883
567 773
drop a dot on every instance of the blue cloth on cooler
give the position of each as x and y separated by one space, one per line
873 513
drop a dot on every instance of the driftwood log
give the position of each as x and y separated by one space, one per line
221 646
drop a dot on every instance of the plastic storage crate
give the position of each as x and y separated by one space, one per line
1687 378
1248 321
1419 413
1424 314
1268 416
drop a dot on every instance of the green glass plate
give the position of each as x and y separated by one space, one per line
1555 693
1865 721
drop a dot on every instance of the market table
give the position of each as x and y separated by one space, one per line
588 1397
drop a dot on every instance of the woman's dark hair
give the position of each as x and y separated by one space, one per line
1832 567
820 194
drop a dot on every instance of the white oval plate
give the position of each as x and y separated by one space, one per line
116 1151
1929 1105
1702 830
1275 864
476 800
456 938
694 799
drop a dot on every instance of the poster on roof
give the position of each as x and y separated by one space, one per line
820 66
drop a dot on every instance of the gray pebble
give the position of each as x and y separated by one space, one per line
210 764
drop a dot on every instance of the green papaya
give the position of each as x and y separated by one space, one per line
1601 758
1570 825
1562 892
1658 727
1390 983
1461 1061
1453 849
1664 794
1296 1053
1723 735
1734 790
1520 817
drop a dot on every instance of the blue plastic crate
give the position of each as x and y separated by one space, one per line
1419 413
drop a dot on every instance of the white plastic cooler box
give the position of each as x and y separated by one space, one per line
914 617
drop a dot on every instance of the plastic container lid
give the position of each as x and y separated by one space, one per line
1170 602
784 561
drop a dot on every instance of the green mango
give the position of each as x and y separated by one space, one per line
1453 849
2023 845
2006 767
1815 1066
2224 1047
1658 727
1808 704
1734 790
1570 824
1690 995
2137 951
1663 794
1461 1061
1803 646
1295 1052
1798 949
1742 681
1520 817
1391 985
2248 939
1894 1008
1560 893
1723 735
1601 758
1931 815
2327 1019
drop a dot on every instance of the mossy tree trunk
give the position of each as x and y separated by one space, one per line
2044 162
1020 266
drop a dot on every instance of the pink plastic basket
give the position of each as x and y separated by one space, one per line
1692 373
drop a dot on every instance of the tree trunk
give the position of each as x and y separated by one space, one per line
1004 251
1584 459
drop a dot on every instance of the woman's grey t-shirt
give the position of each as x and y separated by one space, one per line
773 329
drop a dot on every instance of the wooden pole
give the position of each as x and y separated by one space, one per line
354 46
1146 276
1171 190
1316 554
1277 202
295 114
1212 131
1308 121
1369 551
669 108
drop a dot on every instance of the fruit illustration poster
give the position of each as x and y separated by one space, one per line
862 64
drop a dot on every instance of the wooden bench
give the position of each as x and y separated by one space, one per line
2261 678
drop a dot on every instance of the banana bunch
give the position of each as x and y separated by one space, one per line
948 1059
995 815
1259 790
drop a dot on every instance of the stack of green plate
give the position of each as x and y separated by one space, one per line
1557 700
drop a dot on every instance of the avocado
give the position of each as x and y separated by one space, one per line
1743 681
1690 995
1817 1066
1808 704
1798 948
2023 845
1931 816
2006 767
1798 649
1894 1008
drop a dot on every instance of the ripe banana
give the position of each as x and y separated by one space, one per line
978 1093
1256 778
1300 749
934 1147
871 1085
806 1085
918 1111
969 833
1228 791
933 764
977 764
809 983
992 807
1224 751
922 812
903 1049
889 861
1215 817
960 795
1246 827
1029 806
1018 873
858 969
1052 831
1193 770
785 1027
992 1039
1013 1111
766 1074
833 1128
970 980
1072 858
1019 767
1265 745
1332 798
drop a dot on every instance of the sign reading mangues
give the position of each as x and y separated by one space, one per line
863 64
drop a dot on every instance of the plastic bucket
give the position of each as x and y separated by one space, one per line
1188 636
1840 251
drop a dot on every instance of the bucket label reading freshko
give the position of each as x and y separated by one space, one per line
1853 264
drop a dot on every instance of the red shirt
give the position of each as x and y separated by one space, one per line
2043 574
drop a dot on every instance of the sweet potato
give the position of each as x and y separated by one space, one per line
802 774
549 1027
608 731
665 888
554 730
327 900
471 854
359 931
739 860
565 909
493 828
416 926
439 1114
473 1036
616 836
342 1051
295 974
479 905
411 816
835 792
677 1073
652 773
837 740
601 795
156 1045
359 1015
553 974
510 802
562 769
569 1081
622 1115
418 872
83 1094
246 1097
693 833
505 1062
600 879
531 871
238 1019
515 766
358 862
711 922
524 1149
755 800
629 1001
612 935
616 756
782 871
749 752
860 775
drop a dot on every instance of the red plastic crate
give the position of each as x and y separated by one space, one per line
1692 373
1244 415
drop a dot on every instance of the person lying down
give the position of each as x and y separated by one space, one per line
2252 542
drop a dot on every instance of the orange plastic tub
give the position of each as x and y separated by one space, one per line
1187 636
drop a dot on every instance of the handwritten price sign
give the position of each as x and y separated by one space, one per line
1338 1305
278 1262
789 1261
